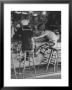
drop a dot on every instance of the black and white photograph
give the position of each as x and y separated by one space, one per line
35 44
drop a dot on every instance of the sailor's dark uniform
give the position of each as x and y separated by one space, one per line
26 40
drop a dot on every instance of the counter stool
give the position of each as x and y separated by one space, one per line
31 54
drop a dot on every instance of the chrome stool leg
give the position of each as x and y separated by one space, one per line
29 62
24 64
34 64
14 67
19 67
49 61
55 61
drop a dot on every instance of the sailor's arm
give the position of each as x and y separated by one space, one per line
41 36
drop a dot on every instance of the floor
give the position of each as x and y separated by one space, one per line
41 72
